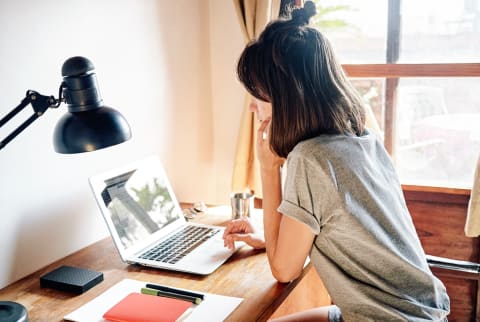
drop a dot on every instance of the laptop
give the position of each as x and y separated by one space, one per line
147 224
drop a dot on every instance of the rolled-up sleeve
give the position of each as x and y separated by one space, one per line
294 211
297 198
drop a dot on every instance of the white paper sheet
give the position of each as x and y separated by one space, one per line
213 307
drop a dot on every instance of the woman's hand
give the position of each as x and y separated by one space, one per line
243 230
267 158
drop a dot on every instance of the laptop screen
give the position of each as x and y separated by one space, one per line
139 203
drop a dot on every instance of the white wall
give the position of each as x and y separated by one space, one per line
167 66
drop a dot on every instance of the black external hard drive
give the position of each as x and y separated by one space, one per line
71 279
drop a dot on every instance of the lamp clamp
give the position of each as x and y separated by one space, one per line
40 103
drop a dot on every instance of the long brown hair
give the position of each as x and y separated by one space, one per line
293 66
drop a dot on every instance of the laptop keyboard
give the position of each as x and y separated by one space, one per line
179 244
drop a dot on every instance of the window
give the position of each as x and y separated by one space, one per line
417 64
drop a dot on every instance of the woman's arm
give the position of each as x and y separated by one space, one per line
287 241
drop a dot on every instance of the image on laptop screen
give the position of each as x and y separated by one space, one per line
140 204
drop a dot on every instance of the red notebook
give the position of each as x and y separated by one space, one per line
137 307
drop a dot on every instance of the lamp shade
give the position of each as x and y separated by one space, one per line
90 130
88 125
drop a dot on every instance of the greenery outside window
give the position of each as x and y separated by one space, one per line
417 64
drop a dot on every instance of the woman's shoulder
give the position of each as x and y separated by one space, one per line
315 148
325 141
337 145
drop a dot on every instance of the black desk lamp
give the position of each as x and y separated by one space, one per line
89 125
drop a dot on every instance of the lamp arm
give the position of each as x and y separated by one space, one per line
40 103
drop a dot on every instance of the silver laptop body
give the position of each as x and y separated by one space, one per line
141 211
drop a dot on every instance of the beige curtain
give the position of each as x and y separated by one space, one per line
253 16
472 224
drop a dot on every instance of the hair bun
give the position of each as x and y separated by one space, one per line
303 15
310 9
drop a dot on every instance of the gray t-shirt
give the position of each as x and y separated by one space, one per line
366 249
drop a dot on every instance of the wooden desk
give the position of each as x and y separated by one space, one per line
246 275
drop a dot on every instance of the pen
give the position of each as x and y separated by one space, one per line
174 290
149 291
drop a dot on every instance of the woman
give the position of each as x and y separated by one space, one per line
342 202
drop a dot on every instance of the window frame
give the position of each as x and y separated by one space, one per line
392 71
396 71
